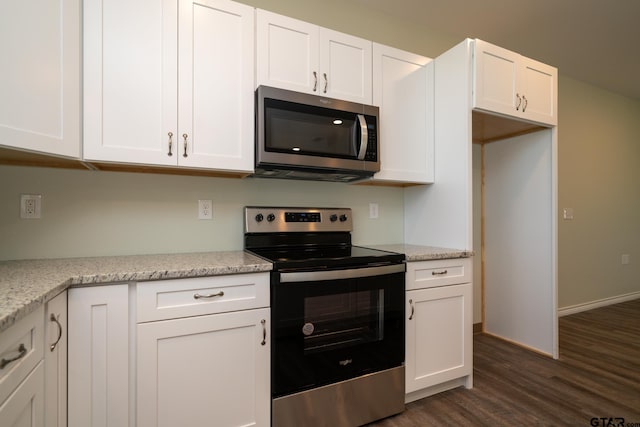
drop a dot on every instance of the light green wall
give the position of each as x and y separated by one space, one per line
86 213
103 213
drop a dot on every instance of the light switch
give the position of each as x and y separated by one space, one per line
567 213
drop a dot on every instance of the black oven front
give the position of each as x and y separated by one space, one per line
330 326
337 318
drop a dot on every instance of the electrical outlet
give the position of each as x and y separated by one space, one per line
625 259
205 209
30 206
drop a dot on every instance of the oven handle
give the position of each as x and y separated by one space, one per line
314 276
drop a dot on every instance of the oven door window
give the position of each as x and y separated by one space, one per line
343 320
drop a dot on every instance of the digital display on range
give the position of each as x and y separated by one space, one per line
302 217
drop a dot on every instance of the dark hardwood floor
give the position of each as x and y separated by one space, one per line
596 376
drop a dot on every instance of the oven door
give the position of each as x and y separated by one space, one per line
329 326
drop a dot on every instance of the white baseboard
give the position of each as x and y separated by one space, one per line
573 309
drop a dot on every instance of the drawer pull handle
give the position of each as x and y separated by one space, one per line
170 134
412 309
53 318
23 352
264 332
198 296
439 273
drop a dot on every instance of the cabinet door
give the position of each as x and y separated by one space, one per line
24 407
345 67
287 53
98 356
130 81
439 335
205 370
216 85
55 362
539 87
403 89
495 86
40 84
511 84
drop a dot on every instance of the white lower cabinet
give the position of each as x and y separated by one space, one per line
25 406
204 370
55 362
22 372
98 370
439 328
203 352
183 352
33 368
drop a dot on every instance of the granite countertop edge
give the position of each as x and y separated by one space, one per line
25 285
415 253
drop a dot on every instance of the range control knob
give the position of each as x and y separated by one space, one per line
343 218
271 217
333 218
259 218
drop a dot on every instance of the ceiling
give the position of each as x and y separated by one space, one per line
595 41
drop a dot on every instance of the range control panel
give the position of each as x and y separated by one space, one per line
263 219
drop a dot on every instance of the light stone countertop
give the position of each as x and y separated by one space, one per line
424 253
27 284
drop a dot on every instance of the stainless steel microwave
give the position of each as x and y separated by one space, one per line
302 136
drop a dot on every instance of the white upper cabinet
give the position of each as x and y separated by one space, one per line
215 86
403 89
510 84
299 56
40 84
169 83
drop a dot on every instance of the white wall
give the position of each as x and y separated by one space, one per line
86 213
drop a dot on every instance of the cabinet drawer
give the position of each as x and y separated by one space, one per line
171 299
21 348
442 272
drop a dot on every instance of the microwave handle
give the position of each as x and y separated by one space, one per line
364 137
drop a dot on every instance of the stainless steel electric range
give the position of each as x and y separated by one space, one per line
337 318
